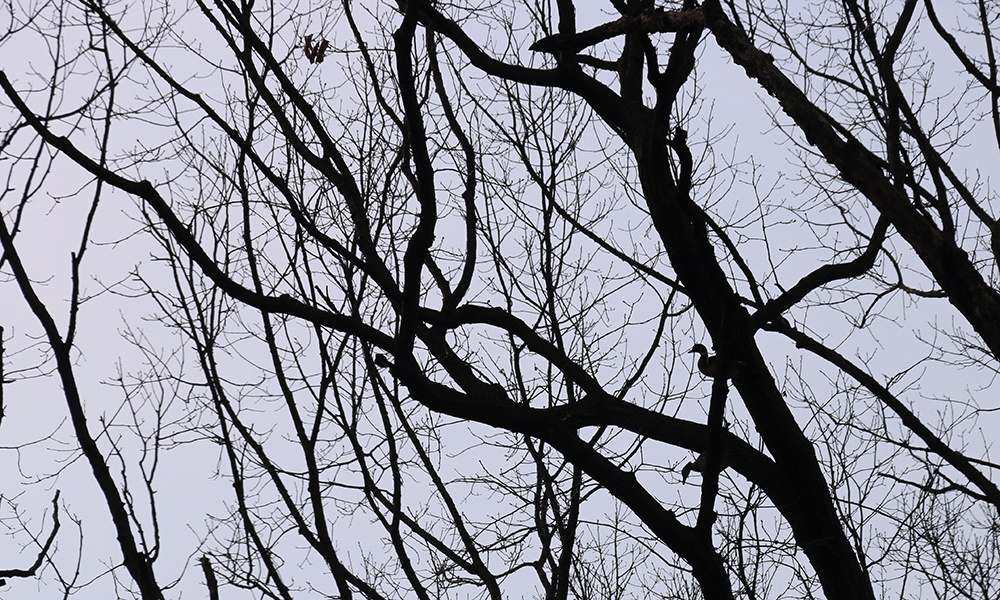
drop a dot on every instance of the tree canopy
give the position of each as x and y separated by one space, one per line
528 299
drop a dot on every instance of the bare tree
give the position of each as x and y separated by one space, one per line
421 281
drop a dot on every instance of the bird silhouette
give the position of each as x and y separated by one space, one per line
709 365
698 465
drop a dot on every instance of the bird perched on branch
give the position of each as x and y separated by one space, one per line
709 365
698 465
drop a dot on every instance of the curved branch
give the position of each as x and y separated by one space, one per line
43 552
657 20
822 276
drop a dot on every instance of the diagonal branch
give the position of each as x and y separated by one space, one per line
858 166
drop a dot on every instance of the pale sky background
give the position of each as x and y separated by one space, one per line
35 438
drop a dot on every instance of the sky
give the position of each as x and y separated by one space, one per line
120 339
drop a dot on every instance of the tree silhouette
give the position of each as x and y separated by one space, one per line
426 311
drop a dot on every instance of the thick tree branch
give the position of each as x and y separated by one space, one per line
657 20
949 264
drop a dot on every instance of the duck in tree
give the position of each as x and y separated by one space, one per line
709 365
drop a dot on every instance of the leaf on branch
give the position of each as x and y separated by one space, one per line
315 53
